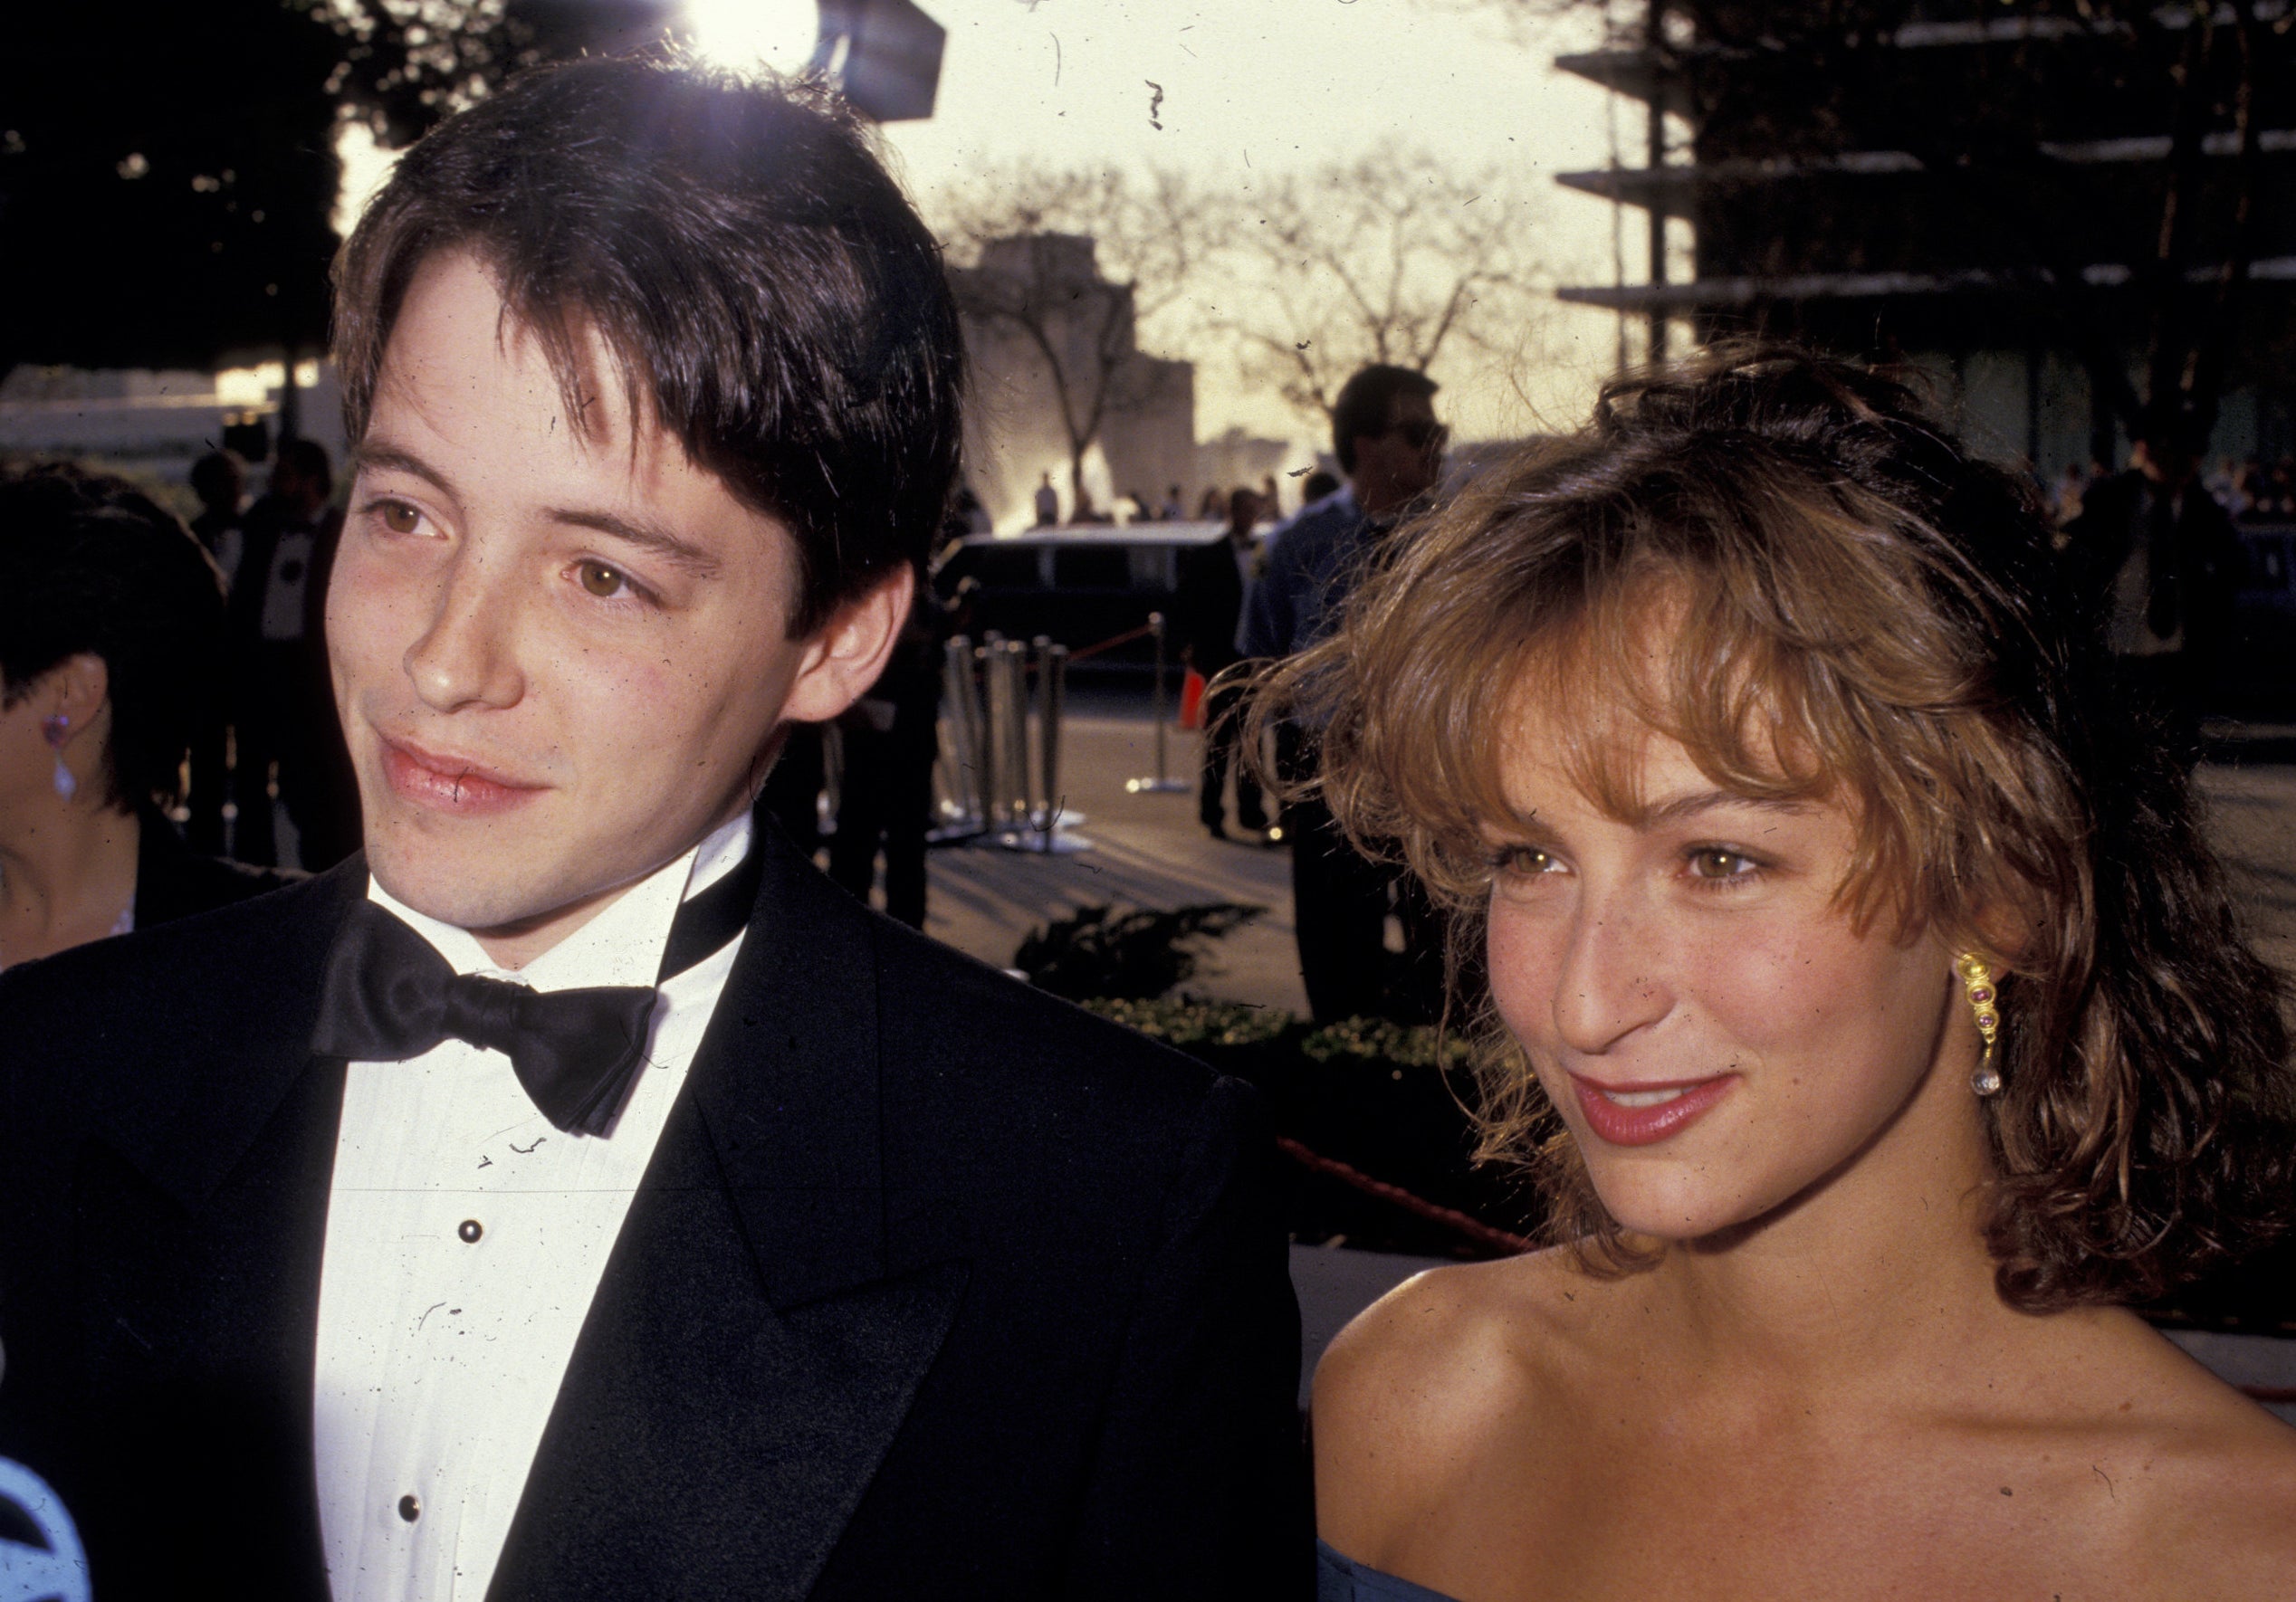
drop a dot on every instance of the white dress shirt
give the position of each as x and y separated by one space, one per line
466 1239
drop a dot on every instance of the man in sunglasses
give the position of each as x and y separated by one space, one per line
1391 447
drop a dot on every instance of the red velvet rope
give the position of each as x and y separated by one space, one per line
1110 644
1472 1227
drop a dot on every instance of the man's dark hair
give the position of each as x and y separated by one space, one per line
307 460
1366 406
218 479
90 564
743 254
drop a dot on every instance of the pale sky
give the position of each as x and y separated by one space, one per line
1250 86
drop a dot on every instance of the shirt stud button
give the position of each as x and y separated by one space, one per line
470 1230
410 1507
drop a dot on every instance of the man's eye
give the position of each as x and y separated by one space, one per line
600 580
398 517
1714 862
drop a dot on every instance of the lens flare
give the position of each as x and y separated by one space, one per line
747 33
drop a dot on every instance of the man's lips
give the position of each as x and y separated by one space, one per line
1644 1112
447 783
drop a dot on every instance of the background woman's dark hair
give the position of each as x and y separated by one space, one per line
92 564
1859 609
759 278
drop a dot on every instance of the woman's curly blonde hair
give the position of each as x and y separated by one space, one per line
1862 611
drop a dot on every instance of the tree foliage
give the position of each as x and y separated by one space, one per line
166 177
168 173
407 63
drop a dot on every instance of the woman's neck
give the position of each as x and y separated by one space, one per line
1880 1269
67 872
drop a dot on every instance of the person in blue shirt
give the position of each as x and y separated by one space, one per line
1390 448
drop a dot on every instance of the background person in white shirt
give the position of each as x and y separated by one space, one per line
575 1195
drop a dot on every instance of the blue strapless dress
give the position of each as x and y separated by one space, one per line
1343 1579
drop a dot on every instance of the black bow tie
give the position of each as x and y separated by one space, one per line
388 995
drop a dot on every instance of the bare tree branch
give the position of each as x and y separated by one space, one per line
1012 234
1394 261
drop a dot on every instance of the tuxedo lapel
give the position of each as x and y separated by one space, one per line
758 1337
245 1044
705 1444
199 1233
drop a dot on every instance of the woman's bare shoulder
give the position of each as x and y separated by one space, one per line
2204 1475
1452 1365
2223 1482
2218 1496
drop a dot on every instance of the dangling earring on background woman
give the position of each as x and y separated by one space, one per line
57 729
1978 979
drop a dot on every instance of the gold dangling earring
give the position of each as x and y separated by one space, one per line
1978 978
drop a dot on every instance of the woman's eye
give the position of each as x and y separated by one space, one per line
600 580
398 517
1714 862
1522 861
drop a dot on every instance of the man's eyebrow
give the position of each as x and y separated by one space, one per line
1702 801
648 537
388 458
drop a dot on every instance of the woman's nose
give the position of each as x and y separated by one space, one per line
1609 981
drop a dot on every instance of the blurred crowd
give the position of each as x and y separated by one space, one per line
2250 490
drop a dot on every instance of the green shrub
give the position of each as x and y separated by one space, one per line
1136 955
1406 1045
1188 1024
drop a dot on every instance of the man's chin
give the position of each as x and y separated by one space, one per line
471 889
461 899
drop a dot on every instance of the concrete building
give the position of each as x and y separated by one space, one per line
1053 362
1974 186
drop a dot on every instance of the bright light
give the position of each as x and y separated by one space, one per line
741 34
366 167
252 387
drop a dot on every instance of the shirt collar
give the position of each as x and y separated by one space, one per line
621 946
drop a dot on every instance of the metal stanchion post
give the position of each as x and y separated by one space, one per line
1014 777
1052 669
967 810
1160 784
1042 825
995 714
997 687
1032 697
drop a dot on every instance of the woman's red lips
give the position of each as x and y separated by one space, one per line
449 783
1644 1113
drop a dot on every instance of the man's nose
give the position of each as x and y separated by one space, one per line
1610 981
468 656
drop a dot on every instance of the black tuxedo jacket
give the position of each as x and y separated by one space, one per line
935 1287
173 881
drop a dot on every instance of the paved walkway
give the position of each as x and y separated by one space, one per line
1146 850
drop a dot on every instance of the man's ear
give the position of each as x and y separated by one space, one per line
847 653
